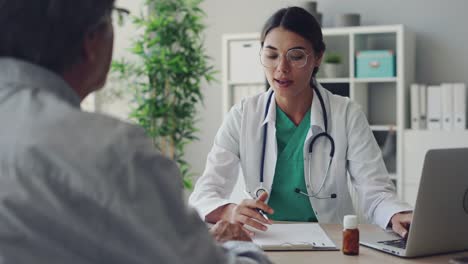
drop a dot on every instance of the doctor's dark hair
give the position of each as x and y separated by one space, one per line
49 33
299 21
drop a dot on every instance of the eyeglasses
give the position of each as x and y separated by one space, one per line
119 14
297 58
116 14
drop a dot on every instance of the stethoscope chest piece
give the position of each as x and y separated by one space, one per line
259 191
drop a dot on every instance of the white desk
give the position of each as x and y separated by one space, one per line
366 255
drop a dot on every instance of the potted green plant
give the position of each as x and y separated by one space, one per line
332 66
166 78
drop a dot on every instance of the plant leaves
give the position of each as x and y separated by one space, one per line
166 79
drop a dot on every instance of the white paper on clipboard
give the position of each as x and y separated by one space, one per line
301 236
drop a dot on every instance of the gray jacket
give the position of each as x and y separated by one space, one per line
79 187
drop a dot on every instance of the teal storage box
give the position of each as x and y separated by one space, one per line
375 64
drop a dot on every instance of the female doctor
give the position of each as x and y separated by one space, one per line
295 144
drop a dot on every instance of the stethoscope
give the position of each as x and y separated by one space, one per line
261 189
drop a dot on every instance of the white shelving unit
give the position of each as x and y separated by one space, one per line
384 100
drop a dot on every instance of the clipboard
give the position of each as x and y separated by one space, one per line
300 236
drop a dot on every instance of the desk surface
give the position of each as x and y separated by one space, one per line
366 255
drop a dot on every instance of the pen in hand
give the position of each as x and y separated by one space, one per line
261 207
263 214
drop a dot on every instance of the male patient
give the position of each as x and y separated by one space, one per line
79 187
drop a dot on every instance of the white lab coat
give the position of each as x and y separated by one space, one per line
239 141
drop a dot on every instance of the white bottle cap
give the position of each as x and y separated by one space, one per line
350 222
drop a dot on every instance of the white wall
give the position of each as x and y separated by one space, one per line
440 28
105 100
441 37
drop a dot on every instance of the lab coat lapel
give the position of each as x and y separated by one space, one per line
271 148
316 113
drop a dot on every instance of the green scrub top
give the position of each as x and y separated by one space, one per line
289 173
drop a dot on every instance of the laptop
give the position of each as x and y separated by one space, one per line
440 218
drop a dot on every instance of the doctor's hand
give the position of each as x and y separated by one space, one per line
401 223
246 213
224 231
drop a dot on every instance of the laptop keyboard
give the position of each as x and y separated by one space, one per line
399 243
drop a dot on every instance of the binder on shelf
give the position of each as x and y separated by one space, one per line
459 106
415 107
434 107
447 106
423 106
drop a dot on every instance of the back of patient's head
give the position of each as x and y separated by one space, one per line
49 33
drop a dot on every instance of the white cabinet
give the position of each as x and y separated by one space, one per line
242 71
417 143
244 62
384 100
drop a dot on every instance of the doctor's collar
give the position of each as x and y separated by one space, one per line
271 115
316 113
